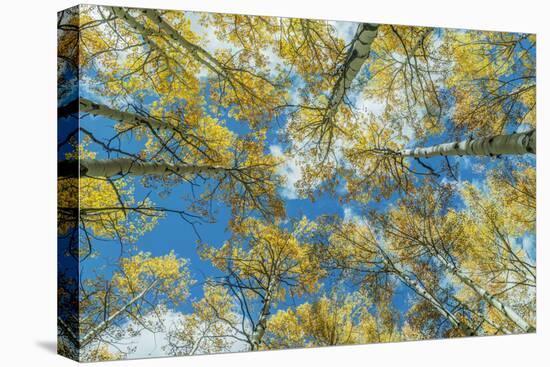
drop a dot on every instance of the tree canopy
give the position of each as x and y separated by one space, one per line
231 182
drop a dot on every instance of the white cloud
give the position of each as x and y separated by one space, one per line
408 132
149 343
368 105
213 43
524 128
344 30
351 216
348 214
290 170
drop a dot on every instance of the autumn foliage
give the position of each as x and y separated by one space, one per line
232 182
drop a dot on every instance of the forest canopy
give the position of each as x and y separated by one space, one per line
237 183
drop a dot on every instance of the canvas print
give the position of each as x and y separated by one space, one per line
232 183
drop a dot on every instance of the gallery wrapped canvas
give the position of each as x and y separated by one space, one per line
232 183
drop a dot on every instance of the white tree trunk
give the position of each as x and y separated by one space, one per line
128 117
138 27
259 330
483 317
491 299
424 293
131 167
357 55
68 333
92 334
516 143
197 52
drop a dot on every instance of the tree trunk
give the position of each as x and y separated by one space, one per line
516 143
138 27
259 330
136 120
357 55
424 293
485 319
92 334
69 334
128 117
502 307
131 167
197 52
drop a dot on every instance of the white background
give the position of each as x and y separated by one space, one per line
28 171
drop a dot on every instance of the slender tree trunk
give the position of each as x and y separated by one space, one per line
516 143
146 34
197 52
260 328
68 333
128 117
142 121
498 327
196 345
424 293
138 27
357 55
92 334
201 55
131 167
491 299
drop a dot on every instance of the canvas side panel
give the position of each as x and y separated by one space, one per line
68 183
